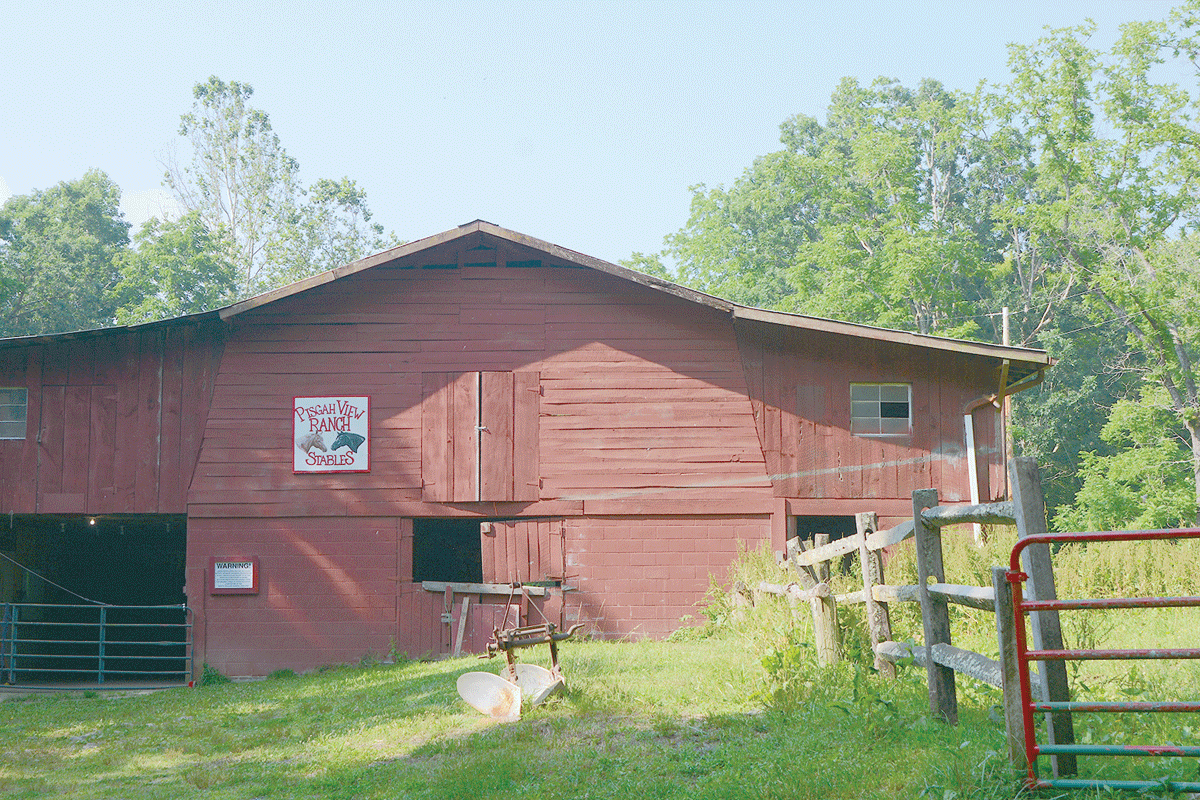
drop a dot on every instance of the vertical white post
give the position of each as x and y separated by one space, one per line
972 470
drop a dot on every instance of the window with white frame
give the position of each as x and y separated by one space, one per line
880 409
13 402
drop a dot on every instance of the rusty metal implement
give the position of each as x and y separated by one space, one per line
527 680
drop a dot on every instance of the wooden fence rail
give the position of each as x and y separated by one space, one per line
941 659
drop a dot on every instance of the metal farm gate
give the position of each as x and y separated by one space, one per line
1031 706
52 643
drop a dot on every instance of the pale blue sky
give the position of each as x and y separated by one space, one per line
581 123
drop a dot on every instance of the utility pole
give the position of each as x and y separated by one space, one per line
1006 413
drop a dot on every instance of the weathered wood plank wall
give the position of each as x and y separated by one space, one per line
799 384
639 397
115 420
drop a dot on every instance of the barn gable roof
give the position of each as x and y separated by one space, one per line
1022 363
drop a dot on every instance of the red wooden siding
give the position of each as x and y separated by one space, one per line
496 463
115 420
799 384
642 576
523 550
448 447
330 592
642 396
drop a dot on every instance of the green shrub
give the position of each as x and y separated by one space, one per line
210 676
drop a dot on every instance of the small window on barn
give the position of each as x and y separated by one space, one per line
880 409
448 550
13 405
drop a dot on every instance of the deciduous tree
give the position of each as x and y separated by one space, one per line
58 250
241 180
176 268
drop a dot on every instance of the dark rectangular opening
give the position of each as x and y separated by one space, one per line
447 550
836 527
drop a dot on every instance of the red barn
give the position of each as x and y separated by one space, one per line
328 470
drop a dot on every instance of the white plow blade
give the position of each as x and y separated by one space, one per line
537 683
492 695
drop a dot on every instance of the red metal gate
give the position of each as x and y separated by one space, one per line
1030 707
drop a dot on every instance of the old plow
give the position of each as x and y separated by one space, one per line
501 696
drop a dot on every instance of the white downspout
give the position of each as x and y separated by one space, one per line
1006 389
972 465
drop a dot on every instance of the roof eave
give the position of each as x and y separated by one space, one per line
1039 359
966 346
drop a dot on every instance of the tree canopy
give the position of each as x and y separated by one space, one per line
246 190
57 256
1069 195
67 262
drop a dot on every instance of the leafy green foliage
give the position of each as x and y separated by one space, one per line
1068 195
872 217
58 250
1112 198
246 189
1146 482
176 268
211 676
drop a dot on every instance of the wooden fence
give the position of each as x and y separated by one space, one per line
941 659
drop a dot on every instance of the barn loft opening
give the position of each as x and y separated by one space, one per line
447 550
135 559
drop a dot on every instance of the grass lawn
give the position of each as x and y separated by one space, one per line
681 719
737 709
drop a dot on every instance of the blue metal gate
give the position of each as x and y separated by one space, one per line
42 643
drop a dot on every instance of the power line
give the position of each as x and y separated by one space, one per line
52 583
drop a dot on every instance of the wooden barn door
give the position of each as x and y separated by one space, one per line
459 616
523 550
479 436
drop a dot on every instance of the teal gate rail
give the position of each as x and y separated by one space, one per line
1030 707
43 643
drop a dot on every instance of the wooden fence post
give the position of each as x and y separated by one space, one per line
935 616
825 628
1030 511
1014 723
820 540
878 621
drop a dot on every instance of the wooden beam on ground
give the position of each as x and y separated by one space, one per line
478 588
462 625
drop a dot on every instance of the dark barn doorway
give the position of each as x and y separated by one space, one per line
447 550
60 574
836 527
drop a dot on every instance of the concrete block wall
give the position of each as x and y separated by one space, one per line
642 577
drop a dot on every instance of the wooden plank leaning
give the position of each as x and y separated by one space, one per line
1014 723
878 622
1030 513
935 616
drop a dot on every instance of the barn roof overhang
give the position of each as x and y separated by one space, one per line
1020 366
